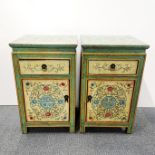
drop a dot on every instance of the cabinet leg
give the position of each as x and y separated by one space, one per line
24 130
72 129
82 129
129 130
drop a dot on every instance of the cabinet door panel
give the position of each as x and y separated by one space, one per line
46 100
109 100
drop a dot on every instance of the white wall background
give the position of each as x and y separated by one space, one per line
109 17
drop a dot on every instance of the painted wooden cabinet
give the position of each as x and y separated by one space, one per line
45 73
111 75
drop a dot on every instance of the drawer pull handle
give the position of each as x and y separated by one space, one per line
44 67
66 98
113 66
89 98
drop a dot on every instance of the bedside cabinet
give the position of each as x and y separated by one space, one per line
45 74
112 69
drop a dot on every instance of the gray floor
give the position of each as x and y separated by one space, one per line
60 142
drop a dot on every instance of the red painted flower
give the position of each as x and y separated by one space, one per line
110 89
48 114
129 85
31 117
108 114
90 118
62 84
46 88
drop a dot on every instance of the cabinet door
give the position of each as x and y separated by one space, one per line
109 100
46 100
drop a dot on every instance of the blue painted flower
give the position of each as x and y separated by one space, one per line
108 102
122 102
96 102
33 101
61 101
47 101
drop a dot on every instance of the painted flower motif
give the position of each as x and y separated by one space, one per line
48 114
124 118
47 101
91 118
31 118
62 84
27 84
128 84
33 101
60 101
122 102
110 89
96 102
108 114
46 88
93 85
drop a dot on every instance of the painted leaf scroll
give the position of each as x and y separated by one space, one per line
104 67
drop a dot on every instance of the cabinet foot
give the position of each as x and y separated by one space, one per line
82 129
24 130
129 130
71 129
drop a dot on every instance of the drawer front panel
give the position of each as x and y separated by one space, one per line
46 100
44 66
121 67
109 100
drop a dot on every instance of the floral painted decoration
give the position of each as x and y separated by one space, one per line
45 100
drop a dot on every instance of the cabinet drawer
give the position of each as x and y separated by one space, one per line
122 67
44 66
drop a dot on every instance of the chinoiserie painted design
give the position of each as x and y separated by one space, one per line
46 100
45 75
110 100
50 66
119 67
111 75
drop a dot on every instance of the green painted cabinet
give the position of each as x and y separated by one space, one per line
45 74
111 74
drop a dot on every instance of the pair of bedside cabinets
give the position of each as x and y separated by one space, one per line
45 74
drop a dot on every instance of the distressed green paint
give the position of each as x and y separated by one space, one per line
45 49
19 94
73 95
45 41
46 76
44 55
37 52
112 42
135 97
83 96
121 52
89 124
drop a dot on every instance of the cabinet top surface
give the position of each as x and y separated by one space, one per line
45 41
112 41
